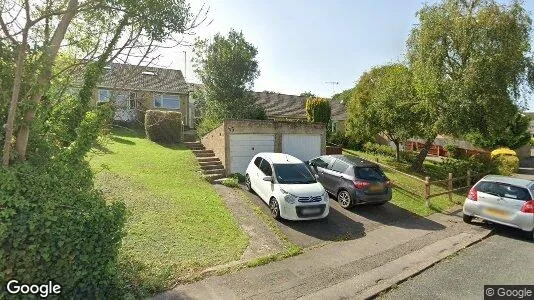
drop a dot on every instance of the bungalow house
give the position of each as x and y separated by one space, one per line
440 144
135 89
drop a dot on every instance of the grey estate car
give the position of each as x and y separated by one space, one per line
503 200
353 180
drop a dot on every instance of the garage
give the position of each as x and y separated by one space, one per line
302 146
235 142
244 146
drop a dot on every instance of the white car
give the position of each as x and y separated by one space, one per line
289 188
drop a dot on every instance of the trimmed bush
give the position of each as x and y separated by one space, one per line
230 182
506 164
163 126
55 226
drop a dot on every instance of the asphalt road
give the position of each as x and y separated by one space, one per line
503 258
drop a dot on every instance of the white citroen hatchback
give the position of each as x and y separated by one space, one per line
289 188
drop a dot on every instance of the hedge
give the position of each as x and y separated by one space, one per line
506 164
163 126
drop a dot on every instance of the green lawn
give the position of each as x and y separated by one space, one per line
412 196
177 224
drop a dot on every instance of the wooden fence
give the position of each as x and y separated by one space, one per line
448 183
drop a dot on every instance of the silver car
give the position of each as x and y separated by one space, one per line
503 200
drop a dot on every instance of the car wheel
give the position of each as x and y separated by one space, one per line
343 197
248 184
467 219
274 208
529 235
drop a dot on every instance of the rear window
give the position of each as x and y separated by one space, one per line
370 173
504 190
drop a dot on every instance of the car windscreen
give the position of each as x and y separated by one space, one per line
370 174
293 174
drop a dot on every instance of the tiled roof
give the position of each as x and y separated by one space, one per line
132 77
278 105
444 140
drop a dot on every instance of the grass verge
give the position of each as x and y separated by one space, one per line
177 224
411 194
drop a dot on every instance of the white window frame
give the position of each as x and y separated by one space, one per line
161 98
107 98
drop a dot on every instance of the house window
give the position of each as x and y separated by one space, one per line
104 95
167 101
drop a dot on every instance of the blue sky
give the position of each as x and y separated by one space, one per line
304 44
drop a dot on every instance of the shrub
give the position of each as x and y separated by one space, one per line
459 167
452 150
55 226
318 110
379 149
231 182
338 138
206 125
240 177
506 164
163 126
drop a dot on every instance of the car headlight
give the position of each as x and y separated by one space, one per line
289 198
325 196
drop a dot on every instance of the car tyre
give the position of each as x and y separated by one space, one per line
344 200
467 219
248 184
529 235
274 208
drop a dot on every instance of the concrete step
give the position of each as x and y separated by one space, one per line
209 163
204 154
212 167
203 151
192 145
196 147
213 171
213 177
207 159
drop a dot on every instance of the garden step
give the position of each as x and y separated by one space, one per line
196 148
203 151
213 177
209 163
205 154
212 167
207 159
213 171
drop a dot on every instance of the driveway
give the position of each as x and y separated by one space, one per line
526 168
342 224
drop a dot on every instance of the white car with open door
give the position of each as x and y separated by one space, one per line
289 188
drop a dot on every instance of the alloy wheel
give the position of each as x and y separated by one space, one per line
247 183
344 199
275 210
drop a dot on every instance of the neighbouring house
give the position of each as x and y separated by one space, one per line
284 107
464 148
291 107
235 142
135 89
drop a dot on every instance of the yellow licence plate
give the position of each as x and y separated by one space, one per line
496 213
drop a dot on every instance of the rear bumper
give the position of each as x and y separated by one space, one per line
295 211
519 220
359 197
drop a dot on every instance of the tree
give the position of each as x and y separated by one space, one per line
227 67
307 94
469 60
318 110
382 104
516 134
344 97
91 30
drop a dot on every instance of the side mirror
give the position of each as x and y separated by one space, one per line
316 176
268 178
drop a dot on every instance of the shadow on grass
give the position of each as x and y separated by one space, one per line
134 282
102 149
121 140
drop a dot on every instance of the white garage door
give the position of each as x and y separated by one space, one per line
302 146
244 146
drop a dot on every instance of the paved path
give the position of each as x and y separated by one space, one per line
355 267
503 258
